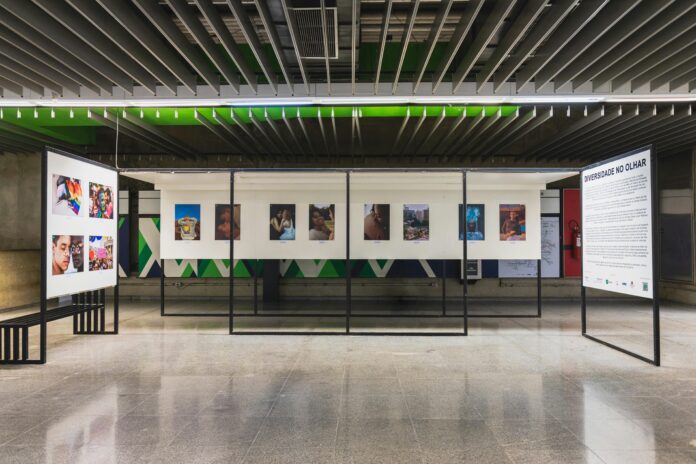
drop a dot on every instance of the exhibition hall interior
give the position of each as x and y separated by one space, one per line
347 231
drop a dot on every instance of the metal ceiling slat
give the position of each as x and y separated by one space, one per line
335 133
668 57
444 141
462 138
254 140
519 27
565 32
383 40
490 27
490 122
431 41
683 30
105 23
673 68
683 78
488 151
164 24
225 37
675 13
499 128
609 115
94 38
323 132
14 41
230 130
590 34
137 135
400 132
271 123
353 43
186 14
558 138
32 135
143 32
9 85
32 22
300 121
39 67
529 128
20 80
471 11
31 75
415 131
540 32
424 144
17 141
640 16
325 41
216 130
405 39
267 138
247 29
291 130
290 21
272 34
138 125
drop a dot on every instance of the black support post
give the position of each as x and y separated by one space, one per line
161 287
465 276
349 294
231 302
44 252
538 288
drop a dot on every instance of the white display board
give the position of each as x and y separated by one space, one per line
617 236
550 255
81 225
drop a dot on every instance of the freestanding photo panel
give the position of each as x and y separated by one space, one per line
619 220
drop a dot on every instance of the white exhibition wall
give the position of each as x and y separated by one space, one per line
617 236
70 219
441 191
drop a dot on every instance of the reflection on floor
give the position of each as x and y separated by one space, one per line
179 389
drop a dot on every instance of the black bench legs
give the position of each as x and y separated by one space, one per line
90 314
14 343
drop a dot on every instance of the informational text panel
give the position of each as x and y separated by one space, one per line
617 225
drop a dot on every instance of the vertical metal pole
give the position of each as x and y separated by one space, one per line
583 291
465 281
444 287
348 267
117 266
116 297
102 310
231 302
655 263
256 287
161 287
44 256
538 288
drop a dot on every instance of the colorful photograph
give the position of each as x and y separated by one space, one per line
416 222
67 195
512 223
187 222
321 221
223 221
376 221
101 201
67 254
282 225
475 222
101 256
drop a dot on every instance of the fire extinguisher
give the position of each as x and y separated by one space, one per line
576 238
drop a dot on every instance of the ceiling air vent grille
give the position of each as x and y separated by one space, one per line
311 37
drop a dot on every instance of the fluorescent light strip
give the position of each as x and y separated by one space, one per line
350 101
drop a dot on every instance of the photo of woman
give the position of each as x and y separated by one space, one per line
282 224
101 203
376 221
321 221
512 223
223 218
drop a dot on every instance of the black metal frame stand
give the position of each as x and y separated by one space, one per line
655 264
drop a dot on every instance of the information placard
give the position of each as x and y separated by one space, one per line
617 236
81 225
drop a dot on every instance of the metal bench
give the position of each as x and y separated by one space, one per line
89 317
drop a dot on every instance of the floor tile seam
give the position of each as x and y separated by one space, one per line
410 418
270 410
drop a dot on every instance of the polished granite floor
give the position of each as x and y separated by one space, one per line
178 389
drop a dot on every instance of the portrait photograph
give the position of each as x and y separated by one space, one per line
101 201
187 222
67 196
474 223
101 255
512 223
282 222
223 221
416 222
376 220
67 254
321 221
